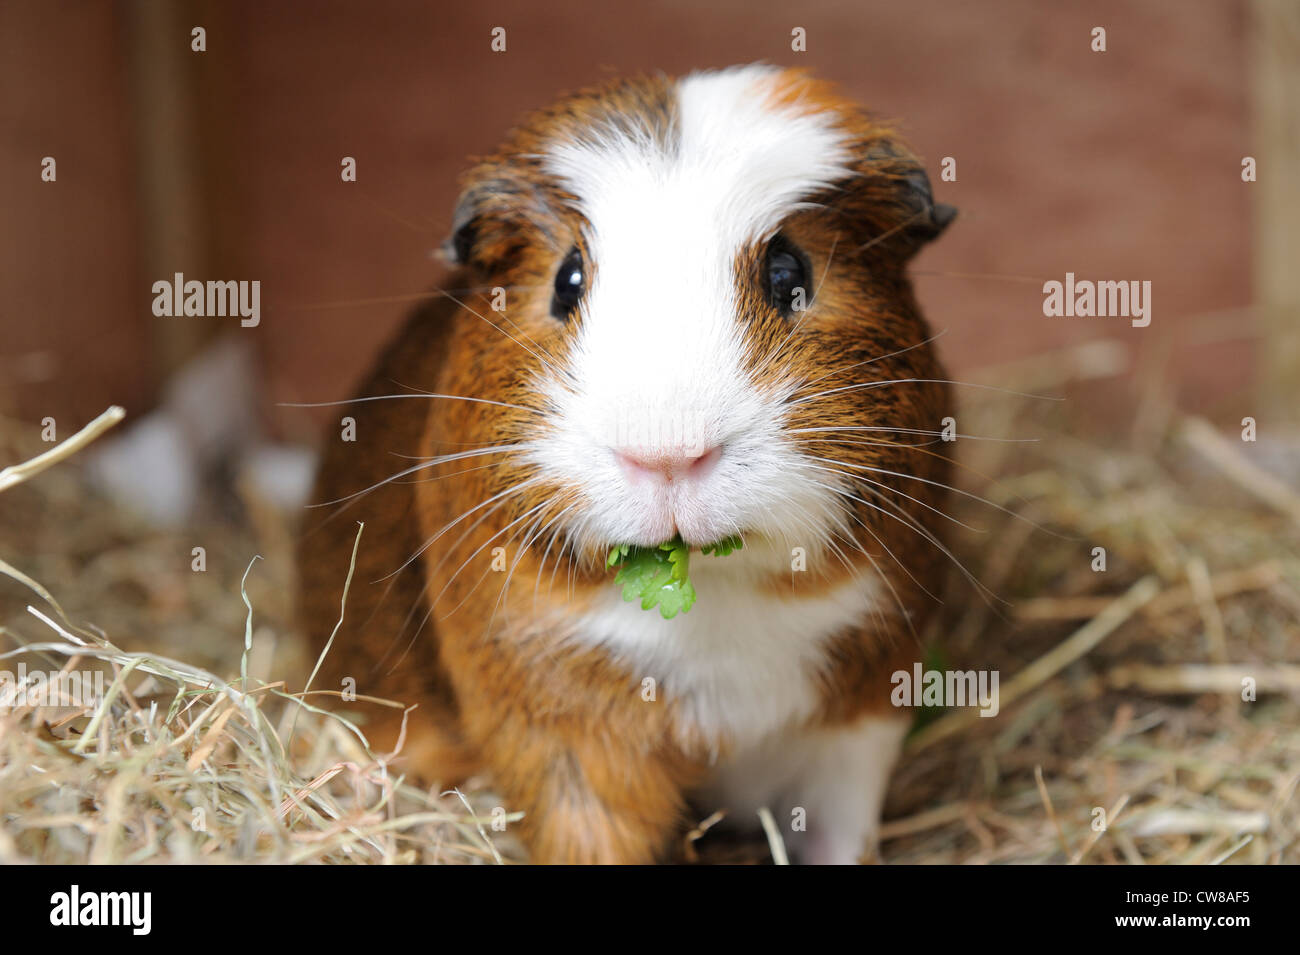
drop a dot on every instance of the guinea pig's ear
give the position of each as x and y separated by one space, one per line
928 218
918 219
458 246
489 227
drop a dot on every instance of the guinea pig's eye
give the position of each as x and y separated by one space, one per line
570 282
786 274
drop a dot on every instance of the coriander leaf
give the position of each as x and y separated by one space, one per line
724 547
660 576
674 598
656 576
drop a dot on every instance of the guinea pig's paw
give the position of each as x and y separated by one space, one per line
828 847
840 790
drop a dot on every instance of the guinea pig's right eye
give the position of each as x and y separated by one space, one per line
570 283
787 276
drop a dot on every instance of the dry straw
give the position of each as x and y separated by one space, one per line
176 764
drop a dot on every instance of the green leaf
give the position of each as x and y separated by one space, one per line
676 597
660 576
724 547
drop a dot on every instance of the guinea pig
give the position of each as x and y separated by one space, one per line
680 312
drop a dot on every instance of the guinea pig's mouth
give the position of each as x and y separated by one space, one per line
669 520
716 541
721 545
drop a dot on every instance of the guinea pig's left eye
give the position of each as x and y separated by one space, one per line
786 276
570 283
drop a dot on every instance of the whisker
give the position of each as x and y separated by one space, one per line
871 361
429 543
529 533
955 490
888 232
573 558
898 600
964 437
546 553
401 299
867 528
439 477
429 463
842 532
859 477
530 351
419 394
987 595
920 381
534 532
997 276
428 582
911 445
907 520
478 550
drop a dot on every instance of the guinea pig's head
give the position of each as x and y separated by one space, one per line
703 325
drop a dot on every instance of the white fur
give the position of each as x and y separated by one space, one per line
659 360
835 779
741 665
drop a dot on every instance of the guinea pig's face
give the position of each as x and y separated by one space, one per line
705 301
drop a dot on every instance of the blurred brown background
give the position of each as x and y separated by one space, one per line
225 165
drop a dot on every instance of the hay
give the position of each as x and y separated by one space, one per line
1121 691
176 764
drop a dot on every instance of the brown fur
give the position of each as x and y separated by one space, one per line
563 732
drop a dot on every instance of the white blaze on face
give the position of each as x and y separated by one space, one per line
659 360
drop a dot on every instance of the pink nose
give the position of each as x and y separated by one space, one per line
666 464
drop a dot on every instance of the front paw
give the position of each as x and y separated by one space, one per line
829 848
